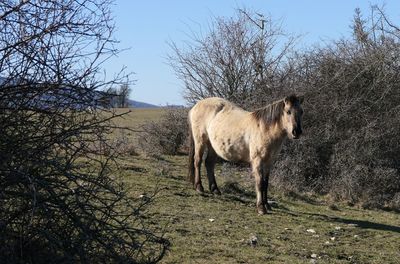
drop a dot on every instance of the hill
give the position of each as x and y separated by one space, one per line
137 104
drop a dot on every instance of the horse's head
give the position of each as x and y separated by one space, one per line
292 116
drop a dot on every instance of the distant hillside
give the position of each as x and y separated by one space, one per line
132 103
137 104
174 106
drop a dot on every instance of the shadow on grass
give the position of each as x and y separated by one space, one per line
364 224
234 192
369 225
134 168
302 197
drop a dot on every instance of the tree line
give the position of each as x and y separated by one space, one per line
117 97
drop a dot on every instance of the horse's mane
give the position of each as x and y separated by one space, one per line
271 113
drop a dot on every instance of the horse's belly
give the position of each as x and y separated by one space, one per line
231 150
227 133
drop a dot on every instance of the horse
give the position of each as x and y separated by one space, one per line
237 135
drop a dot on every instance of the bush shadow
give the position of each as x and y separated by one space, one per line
363 224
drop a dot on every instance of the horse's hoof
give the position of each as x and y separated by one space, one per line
261 210
200 189
216 191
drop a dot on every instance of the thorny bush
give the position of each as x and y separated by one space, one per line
59 201
166 136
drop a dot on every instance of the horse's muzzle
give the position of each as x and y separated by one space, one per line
296 132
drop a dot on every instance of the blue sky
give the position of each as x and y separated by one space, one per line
145 27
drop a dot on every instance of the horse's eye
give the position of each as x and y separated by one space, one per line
288 112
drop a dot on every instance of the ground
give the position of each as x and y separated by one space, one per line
227 229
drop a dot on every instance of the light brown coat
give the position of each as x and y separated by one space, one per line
234 134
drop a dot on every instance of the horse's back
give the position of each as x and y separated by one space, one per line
223 124
212 104
205 110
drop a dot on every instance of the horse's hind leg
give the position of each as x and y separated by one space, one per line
198 157
210 165
266 173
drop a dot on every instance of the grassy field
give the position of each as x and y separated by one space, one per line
226 229
137 116
133 119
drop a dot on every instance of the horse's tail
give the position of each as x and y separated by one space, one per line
191 152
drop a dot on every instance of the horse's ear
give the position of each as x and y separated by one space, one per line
286 100
282 103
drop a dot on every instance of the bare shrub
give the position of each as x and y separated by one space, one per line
124 144
394 202
352 94
59 201
166 136
351 89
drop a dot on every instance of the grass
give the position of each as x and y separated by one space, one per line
132 119
219 229
346 235
137 116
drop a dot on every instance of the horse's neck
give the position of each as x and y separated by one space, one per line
276 134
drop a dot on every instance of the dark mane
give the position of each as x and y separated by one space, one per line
269 114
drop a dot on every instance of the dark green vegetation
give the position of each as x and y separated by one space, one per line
220 229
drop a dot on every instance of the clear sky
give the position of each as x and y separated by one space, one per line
145 26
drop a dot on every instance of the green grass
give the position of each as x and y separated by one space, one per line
133 119
344 235
137 116
360 236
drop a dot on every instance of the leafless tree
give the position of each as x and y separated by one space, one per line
242 59
123 95
117 97
58 200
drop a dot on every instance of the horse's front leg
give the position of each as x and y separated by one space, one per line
266 173
257 169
